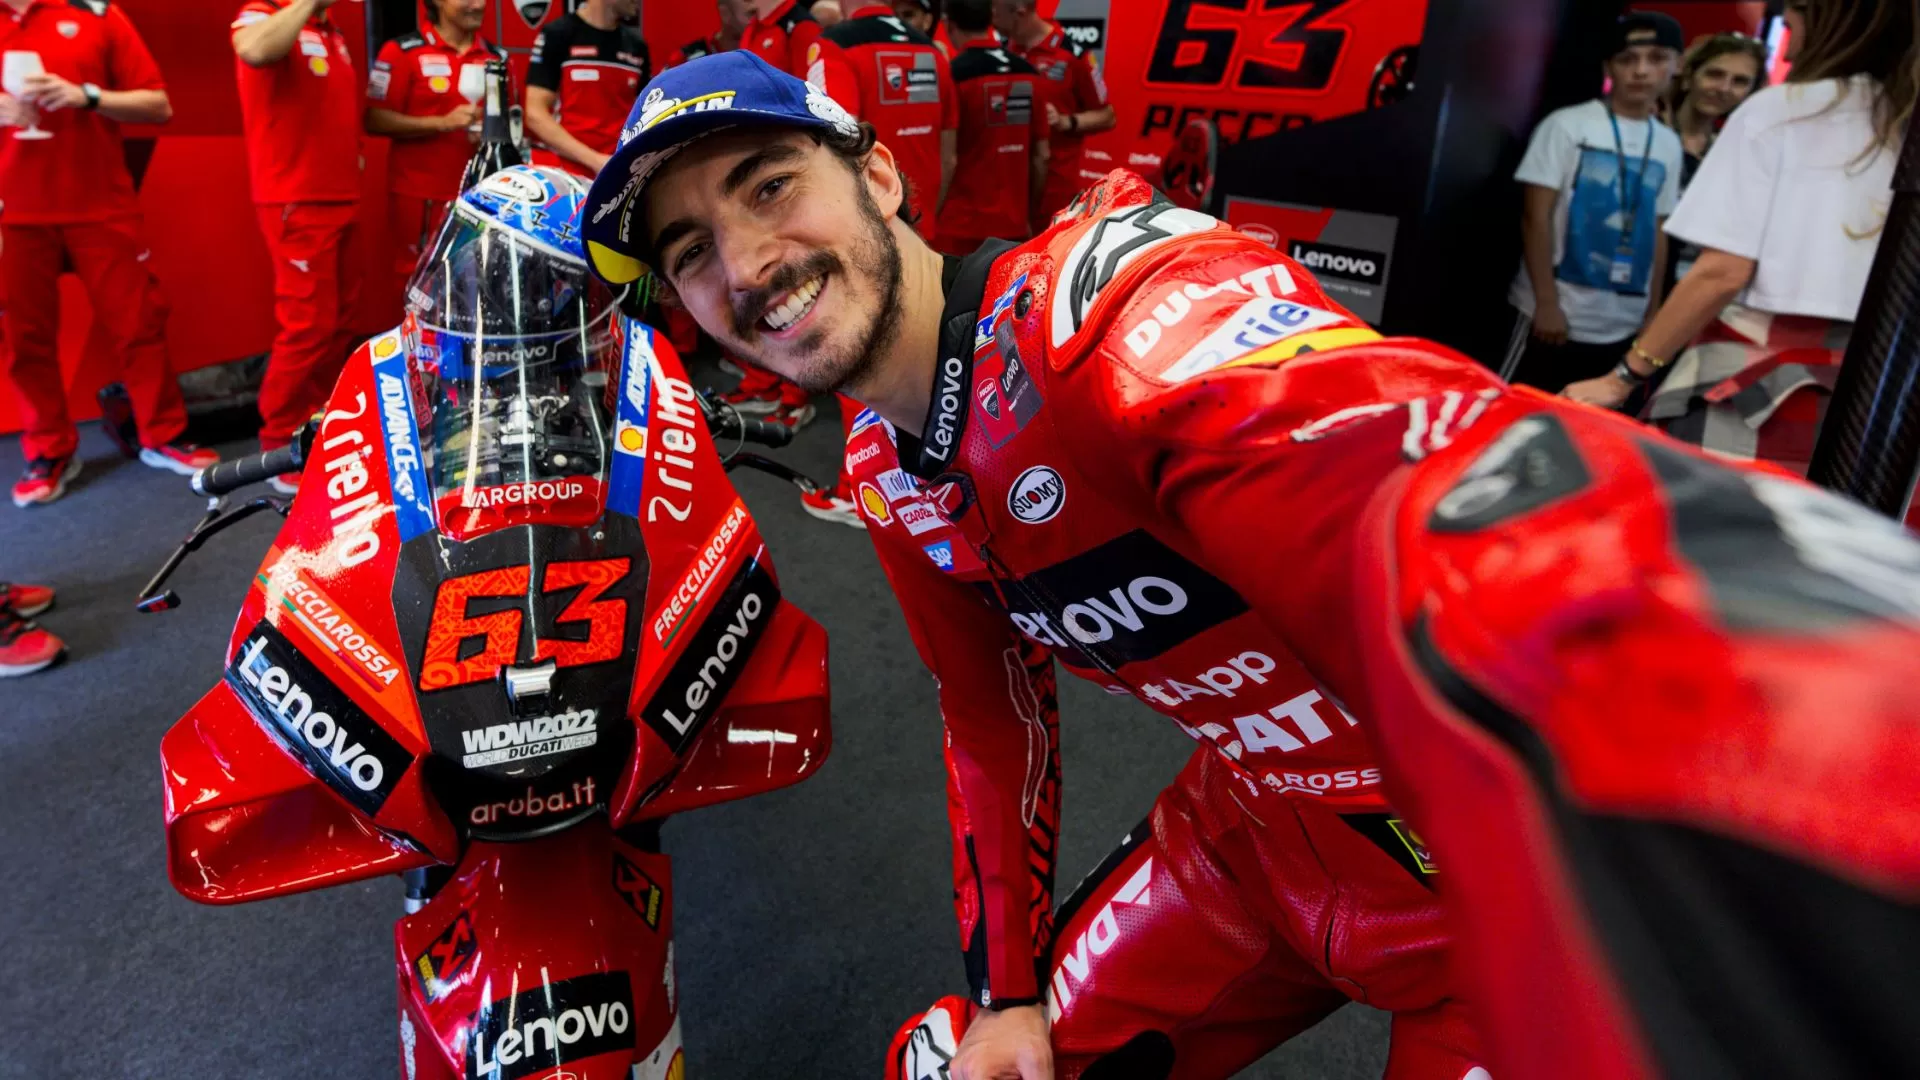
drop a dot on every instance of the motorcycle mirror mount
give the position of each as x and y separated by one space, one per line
528 686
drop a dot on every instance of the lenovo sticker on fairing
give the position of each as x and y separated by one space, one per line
714 655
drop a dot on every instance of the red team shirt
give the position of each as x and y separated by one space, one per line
784 38
302 115
80 174
694 50
595 76
1001 120
890 75
419 75
1076 88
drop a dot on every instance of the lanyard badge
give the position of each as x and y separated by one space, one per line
1621 270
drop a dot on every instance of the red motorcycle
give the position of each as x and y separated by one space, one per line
516 617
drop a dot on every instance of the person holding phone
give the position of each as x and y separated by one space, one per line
69 200
414 97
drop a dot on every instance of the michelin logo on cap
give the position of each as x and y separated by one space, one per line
824 107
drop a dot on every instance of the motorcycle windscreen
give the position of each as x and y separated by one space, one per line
515 341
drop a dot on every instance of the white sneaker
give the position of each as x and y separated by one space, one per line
796 417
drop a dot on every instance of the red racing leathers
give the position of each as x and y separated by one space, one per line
1160 452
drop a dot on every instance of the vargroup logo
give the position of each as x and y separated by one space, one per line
1037 495
342 746
550 1026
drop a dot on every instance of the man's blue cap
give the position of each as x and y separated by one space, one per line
680 105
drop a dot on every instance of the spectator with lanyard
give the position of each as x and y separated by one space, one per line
1787 210
413 98
1599 178
1717 74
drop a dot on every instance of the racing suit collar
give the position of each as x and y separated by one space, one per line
963 281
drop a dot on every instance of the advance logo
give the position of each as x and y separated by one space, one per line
526 739
550 1026
700 678
1037 495
337 742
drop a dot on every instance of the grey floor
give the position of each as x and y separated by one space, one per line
811 921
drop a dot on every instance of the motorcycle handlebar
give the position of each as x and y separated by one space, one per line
238 473
764 432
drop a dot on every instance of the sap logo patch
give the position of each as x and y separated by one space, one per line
941 554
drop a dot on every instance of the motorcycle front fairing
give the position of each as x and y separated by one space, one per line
314 762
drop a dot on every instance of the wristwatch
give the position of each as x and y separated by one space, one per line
93 95
1627 375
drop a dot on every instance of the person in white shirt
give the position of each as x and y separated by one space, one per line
1787 208
1599 178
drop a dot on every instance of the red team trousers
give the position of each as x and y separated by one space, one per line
111 259
414 223
314 291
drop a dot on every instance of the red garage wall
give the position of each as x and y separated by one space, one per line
199 215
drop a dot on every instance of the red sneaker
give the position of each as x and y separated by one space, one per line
116 419
179 456
25 600
24 647
832 505
45 480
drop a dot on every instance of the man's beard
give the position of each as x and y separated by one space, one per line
876 257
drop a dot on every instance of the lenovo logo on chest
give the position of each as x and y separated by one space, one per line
1130 599
949 399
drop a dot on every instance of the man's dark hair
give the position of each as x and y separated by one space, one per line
852 150
973 16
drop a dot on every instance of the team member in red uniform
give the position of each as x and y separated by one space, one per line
586 70
413 97
783 36
1154 448
1003 152
890 75
300 104
734 17
69 198
924 16
1079 103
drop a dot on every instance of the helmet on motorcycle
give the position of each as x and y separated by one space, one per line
513 339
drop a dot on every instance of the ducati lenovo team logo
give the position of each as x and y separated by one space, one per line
1037 495
550 1026
340 744
706 671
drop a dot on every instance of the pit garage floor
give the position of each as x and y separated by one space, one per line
811 921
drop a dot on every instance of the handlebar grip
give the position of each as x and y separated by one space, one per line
765 432
230 475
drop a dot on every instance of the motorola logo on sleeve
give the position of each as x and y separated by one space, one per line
339 743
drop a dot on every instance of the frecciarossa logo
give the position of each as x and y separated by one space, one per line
707 670
1130 599
550 1026
339 743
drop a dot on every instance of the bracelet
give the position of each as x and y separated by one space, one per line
1653 361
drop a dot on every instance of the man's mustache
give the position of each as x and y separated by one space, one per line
750 307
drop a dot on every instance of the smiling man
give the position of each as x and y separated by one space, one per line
1153 449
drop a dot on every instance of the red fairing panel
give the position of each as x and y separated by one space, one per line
245 821
543 956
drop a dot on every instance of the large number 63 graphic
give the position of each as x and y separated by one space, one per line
443 667
1277 43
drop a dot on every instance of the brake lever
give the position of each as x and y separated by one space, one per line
216 519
